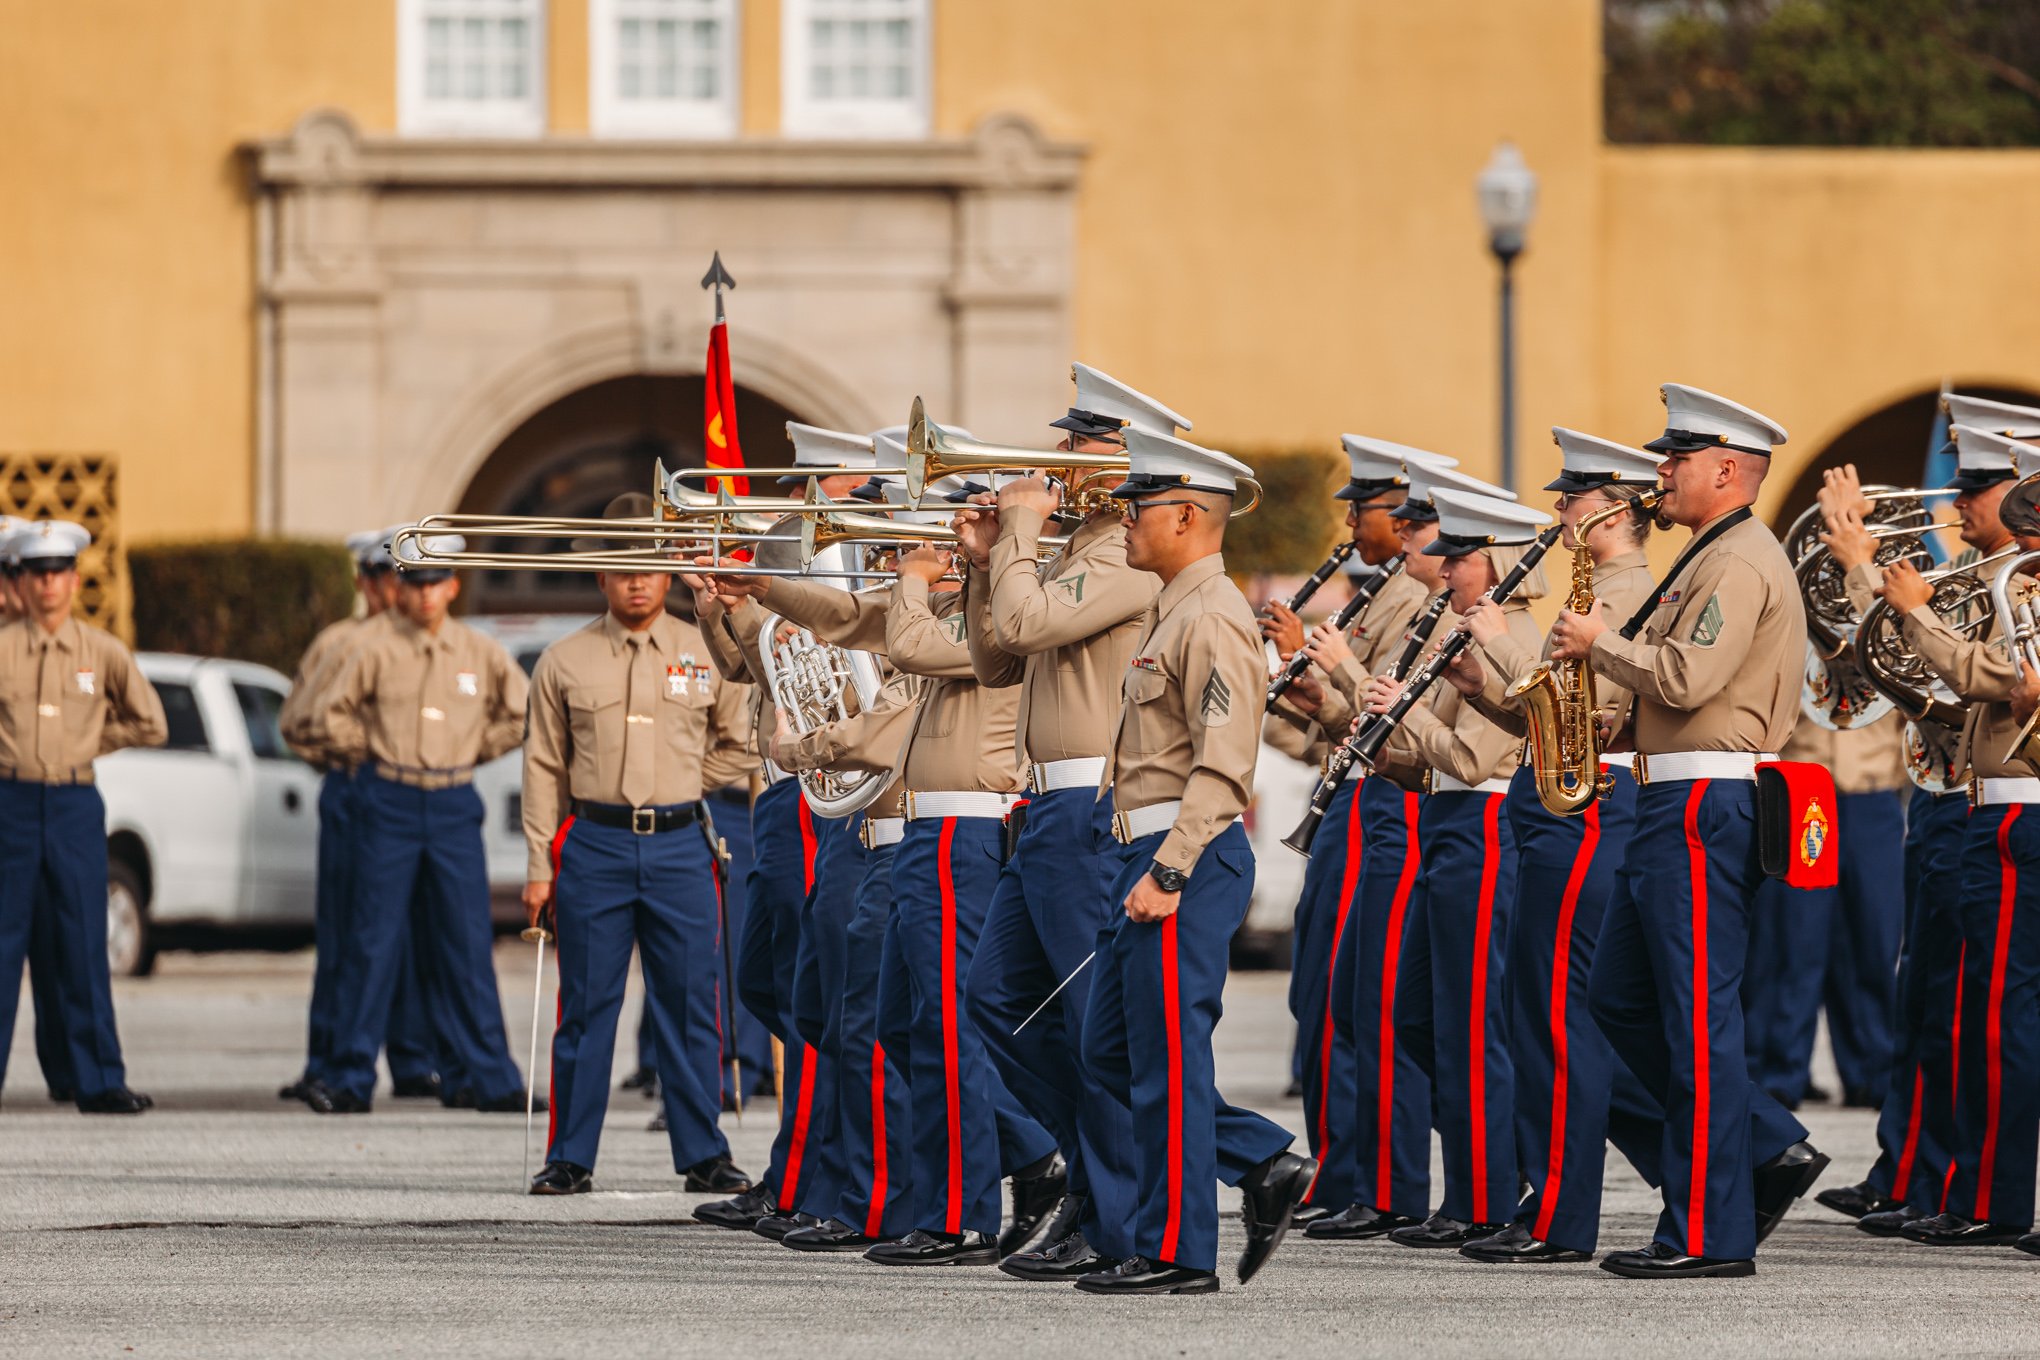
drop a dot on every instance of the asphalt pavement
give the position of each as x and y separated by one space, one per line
227 1222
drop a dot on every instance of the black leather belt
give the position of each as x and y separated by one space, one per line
644 821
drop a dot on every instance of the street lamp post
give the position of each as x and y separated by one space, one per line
1507 191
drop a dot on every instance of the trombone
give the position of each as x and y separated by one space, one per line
820 532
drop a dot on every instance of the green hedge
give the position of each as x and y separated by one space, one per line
1291 530
253 599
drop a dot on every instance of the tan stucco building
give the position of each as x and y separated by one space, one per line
307 267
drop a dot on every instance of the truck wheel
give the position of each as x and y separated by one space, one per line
129 950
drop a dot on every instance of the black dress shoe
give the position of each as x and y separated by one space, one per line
1783 1179
658 1124
511 1104
923 1248
716 1176
416 1088
1440 1231
777 1225
737 1214
645 1079
462 1099
1268 1198
62 1095
829 1235
1356 1222
563 1178
1515 1244
1138 1275
1888 1222
2030 1244
1818 1094
1660 1262
1294 1090
1307 1214
1857 1201
1065 1258
1861 1098
297 1090
1953 1230
325 1100
115 1100
1037 1191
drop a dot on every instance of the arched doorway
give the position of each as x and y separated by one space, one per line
1888 446
576 455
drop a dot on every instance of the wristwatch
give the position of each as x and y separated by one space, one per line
1167 879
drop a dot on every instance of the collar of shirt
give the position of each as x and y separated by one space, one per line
1187 581
660 633
1091 530
67 638
423 640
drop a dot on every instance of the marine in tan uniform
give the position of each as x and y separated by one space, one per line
1563 1069
69 693
422 701
1062 632
1179 772
1715 671
629 726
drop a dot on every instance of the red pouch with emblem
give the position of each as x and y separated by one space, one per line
1796 839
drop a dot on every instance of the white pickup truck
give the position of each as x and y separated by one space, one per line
214 835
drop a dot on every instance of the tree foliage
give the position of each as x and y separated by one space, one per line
1824 72
1292 528
251 599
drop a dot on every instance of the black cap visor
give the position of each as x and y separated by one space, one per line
1366 488
1688 441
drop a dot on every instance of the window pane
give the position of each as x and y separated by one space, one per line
262 712
180 708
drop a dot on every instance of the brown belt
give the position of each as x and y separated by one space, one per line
77 774
415 777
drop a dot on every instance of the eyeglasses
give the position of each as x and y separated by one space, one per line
1135 506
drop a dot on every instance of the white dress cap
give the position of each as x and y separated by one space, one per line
1427 477
1468 522
409 555
817 447
1105 405
1696 419
1160 462
46 540
1983 458
10 525
1378 465
1587 461
1998 417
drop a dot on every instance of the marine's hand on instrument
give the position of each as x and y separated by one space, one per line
1485 621
1381 694
538 902
1147 902
1327 648
1281 626
1306 695
1466 674
1572 637
1841 489
1848 540
2026 694
977 528
1904 589
924 564
1032 492
731 591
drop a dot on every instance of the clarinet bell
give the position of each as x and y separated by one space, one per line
1306 831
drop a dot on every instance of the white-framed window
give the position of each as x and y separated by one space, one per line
662 68
855 68
471 68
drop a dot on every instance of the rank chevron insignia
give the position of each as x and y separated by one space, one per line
1072 586
1217 700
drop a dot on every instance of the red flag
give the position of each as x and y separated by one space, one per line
719 409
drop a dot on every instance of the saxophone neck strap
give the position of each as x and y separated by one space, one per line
1693 550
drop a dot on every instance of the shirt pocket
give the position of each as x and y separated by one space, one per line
595 722
683 718
1147 716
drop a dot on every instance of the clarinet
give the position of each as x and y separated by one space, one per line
1364 746
1340 552
1341 621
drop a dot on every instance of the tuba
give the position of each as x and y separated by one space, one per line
1565 733
813 682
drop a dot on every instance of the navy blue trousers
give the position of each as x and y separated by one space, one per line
944 873
1392 1090
873 1114
1836 945
53 889
412 1047
617 889
1154 1004
786 832
423 884
1052 901
1997 1112
1325 1059
818 972
1916 1125
1565 1070
1449 1003
52 1045
1667 991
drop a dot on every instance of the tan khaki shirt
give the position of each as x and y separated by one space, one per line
1187 728
871 740
1450 734
1867 759
318 667
1063 632
961 735
69 697
1717 667
1983 676
1620 584
420 701
585 701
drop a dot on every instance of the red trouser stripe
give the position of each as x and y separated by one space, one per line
1993 1019
552 1108
1954 1067
1391 958
1561 1044
1901 1180
1347 879
1476 1028
1696 1189
952 1078
1171 1028
807 845
796 1146
874 1213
